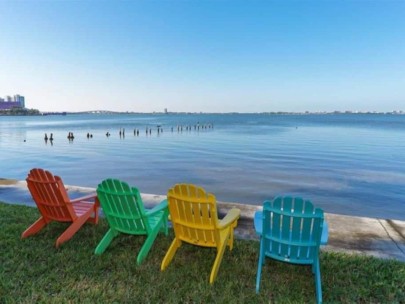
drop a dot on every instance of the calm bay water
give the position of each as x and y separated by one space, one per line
346 164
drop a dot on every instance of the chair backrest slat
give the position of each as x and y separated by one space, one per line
123 207
194 215
50 196
292 229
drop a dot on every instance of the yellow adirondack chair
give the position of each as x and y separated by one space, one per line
193 213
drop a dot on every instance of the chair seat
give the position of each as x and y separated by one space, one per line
154 220
82 207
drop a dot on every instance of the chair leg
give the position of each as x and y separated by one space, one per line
147 246
231 237
217 262
170 253
165 228
93 219
34 228
318 283
106 241
259 266
73 228
166 225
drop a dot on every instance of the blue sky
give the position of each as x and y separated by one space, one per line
209 56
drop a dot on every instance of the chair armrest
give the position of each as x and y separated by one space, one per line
83 198
232 216
160 207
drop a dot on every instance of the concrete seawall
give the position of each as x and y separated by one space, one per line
383 238
351 234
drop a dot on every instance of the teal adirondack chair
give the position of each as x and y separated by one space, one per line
291 231
125 213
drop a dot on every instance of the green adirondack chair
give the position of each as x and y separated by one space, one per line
125 213
291 231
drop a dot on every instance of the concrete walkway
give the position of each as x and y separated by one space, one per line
350 234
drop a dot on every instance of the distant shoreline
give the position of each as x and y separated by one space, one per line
20 112
35 112
223 113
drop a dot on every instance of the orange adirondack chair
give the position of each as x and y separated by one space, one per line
54 204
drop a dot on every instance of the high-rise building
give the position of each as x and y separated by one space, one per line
20 99
8 103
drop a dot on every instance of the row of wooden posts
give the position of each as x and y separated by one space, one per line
148 131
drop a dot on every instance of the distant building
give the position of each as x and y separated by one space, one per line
8 103
165 110
20 99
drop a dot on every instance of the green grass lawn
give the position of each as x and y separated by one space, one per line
33 270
